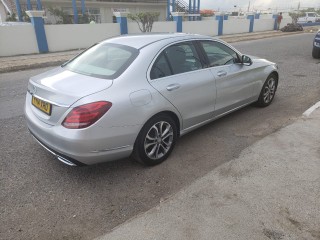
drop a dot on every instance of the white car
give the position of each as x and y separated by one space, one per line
310 17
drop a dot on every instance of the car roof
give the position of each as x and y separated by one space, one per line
141 40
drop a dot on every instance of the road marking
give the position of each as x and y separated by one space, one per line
311 109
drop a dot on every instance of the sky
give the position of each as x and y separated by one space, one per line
224 5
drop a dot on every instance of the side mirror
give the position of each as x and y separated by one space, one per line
246 60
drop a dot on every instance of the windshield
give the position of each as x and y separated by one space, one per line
105 60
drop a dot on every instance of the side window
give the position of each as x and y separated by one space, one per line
160 68
183 57
219 54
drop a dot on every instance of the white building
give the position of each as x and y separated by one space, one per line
99 10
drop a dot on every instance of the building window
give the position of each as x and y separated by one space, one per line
94 14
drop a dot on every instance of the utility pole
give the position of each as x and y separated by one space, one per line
248 7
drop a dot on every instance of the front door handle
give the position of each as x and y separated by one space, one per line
172 87
222 73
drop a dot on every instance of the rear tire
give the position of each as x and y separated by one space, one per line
316 52
268 91
156 140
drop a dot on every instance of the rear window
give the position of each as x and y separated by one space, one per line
105 60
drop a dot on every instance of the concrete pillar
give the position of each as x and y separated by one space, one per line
194 10
19 13
251 18
83 7
173 5
39 5
199 18
190 10
29 6
177 17
168 10
122 19
38 24
75 12
220 18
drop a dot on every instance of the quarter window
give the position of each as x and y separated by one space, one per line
160 68
219 54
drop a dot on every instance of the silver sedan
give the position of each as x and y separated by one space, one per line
135 95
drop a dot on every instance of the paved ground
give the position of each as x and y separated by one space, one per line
270 192
43 199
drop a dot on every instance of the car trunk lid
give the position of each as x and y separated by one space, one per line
58 89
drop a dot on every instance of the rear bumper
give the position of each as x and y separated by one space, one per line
62 158
73 147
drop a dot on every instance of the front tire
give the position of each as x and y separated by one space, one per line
316 52
268 91
156 140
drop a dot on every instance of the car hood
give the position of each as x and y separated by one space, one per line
65 87
260 60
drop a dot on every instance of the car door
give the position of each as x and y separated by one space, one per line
234 82
178 74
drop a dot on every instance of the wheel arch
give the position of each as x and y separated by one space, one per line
276 74
171 114
136 152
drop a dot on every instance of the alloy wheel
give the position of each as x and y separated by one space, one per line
158 140
269 90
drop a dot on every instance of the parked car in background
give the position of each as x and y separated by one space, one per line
309 17
136 94
316 46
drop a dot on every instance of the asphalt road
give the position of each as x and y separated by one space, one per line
43 199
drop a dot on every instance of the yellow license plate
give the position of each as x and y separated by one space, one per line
41 105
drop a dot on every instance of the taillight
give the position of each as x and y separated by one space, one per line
85 115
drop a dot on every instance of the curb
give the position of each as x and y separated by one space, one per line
233 39
31 66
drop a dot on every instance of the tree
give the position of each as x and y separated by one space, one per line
83 19
25 17
12 18
144 20
60 16
295 16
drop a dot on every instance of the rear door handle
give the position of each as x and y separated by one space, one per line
172 87
222 73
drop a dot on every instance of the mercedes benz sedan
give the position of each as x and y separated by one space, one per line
135 95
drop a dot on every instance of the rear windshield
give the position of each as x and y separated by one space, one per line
106 60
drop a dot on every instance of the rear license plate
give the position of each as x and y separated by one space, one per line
42 105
